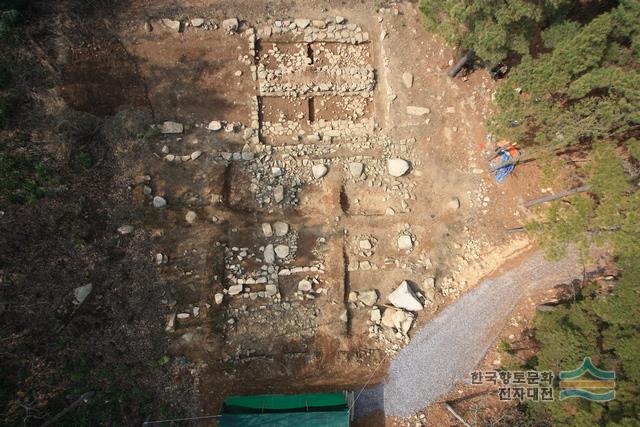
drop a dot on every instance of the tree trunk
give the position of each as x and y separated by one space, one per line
453 71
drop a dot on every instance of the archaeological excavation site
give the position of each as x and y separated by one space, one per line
248 212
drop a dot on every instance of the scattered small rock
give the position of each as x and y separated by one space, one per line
404 242
197 22
365 244
269 254
280 228
266 229
282 251
214 125
417 111
305 286
453 204
302 23
191 217
407 79
170 23
231 24
319 171
397 167
218 298
368 298
271 289
356 169
125 229
171 127
235 289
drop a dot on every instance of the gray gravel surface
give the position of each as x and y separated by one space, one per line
447 349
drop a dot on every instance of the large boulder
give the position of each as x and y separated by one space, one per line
397 167
403 297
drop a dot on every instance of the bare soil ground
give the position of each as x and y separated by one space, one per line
349 104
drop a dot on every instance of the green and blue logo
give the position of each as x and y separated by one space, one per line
599 388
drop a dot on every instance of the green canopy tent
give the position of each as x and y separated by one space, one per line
309 410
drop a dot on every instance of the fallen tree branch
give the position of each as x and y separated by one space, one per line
551 197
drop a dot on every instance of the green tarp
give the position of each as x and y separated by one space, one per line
313 410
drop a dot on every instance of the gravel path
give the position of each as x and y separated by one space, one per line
447 349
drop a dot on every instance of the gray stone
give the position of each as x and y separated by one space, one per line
397 167
368 298
403 297
282 251
191 217
171 127
280 228
276 172
81 293
266 229
269 254
218 297
197 22
235 289
125 229
417 111
356 169
340 19
159 202
407 79
196 154
319 171
231 24
404 242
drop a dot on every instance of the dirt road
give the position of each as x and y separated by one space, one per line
449 347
